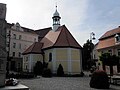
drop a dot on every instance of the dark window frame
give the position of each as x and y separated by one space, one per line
50 57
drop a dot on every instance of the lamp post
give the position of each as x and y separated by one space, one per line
92 36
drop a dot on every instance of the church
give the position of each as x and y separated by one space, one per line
57 47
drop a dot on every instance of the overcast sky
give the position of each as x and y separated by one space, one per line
81 17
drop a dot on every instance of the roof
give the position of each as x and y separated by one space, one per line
60 38
110 33
35 48
56 13
109 42
43 32
108 39
28 30
9 25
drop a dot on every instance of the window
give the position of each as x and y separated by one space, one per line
50 57
34 39
118 52
20 37
18 65
117 38
19 45
102 52
119 60
13 54
14 45
7 44
1 62
26 59
26 67
110 52
14 36
19 54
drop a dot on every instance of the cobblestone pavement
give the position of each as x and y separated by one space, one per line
61 83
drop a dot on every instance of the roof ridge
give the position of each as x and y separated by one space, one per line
44 29
71 36
31 46
58 35
34 46
108 32
67 36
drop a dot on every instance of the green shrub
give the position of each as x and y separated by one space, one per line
99 80
82 74
47 73
38 68
21 75
60 71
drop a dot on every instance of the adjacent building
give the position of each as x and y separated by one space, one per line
18 40
110 43
3 53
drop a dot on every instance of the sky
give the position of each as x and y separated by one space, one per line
81 17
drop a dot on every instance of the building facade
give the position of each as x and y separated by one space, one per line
3 53
20 38
110 43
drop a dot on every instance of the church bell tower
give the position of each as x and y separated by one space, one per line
56 20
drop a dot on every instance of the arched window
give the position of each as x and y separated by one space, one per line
50 57
117 38
17 26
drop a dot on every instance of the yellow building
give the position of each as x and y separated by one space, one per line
57 47
110 43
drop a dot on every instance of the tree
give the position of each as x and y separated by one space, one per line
60 71
87 50
38 68
109 60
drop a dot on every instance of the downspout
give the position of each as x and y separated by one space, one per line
81 60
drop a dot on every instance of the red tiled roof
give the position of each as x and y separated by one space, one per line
42 32
111 32
35 48
60 38
50 39
109 42
108 39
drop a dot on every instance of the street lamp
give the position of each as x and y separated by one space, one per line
92 36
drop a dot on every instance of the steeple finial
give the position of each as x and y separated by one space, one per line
56 5
56 19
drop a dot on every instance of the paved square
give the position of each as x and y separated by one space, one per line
61 83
